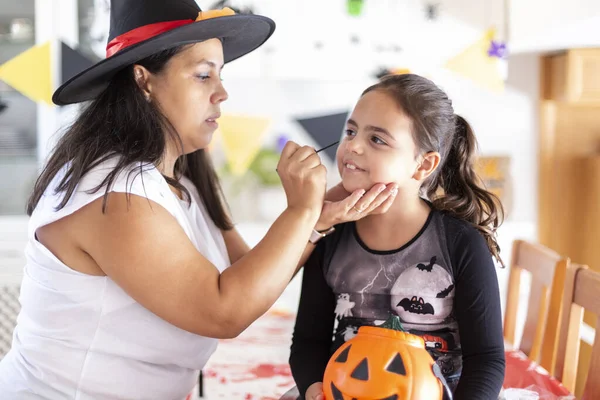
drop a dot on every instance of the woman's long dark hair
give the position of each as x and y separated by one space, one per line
453 187
121 122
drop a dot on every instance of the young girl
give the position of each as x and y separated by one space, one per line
427 261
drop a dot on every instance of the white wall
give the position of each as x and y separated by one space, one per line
56 20
287 82
289 77
384 26
548 25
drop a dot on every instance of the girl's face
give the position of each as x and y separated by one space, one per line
378 146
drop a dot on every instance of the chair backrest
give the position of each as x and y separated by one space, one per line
542 263
581 291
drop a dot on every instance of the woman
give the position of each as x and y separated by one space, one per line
134 268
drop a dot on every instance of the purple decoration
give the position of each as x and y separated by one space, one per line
281 141
497 49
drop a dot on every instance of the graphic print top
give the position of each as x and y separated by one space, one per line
442 285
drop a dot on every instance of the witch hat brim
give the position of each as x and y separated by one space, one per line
240 34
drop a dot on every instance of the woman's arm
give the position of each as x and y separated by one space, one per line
142 247
338 208
477 309
311 341
236 245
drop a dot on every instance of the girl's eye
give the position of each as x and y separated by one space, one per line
376 140
350 132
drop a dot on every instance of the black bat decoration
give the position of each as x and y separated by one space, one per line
416 306
444 292
381 72
431 11
429 267
226 3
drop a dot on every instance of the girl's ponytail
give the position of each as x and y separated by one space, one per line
453 188
461 193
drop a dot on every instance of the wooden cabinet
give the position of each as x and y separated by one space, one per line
569 162
573 76
569 144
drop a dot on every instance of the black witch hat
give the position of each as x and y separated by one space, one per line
141 28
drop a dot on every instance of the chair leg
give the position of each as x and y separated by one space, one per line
200 385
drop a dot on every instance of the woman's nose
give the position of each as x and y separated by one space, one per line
220 95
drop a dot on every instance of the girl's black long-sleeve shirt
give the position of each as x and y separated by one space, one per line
442 285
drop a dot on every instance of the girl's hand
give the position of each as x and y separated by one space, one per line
341 206
315 392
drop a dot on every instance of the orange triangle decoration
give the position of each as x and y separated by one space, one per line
475 64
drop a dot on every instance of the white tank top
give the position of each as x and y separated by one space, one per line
82 337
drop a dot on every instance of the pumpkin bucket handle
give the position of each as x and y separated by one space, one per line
438 374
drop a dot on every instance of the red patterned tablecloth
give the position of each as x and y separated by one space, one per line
521 372
254 366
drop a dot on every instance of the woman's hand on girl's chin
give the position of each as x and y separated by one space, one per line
341 206
315 392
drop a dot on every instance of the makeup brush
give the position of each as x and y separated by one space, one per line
325 148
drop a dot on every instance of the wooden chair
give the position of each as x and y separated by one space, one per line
581 291
547 268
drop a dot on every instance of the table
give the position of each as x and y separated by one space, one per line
521 372
254 366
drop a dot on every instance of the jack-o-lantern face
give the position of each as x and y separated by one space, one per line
383 364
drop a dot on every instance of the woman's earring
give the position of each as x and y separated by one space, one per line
148 99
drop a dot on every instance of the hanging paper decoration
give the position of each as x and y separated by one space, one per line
394 48
497 49
72 62
216 142
281 142
242 138
476 64
325 130
30 73
355 7
431 11
494 172
381 72
386 71
264 167
227 3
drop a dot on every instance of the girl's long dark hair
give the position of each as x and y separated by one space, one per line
121 122
453 187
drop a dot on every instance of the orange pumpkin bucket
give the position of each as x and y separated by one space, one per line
383 363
